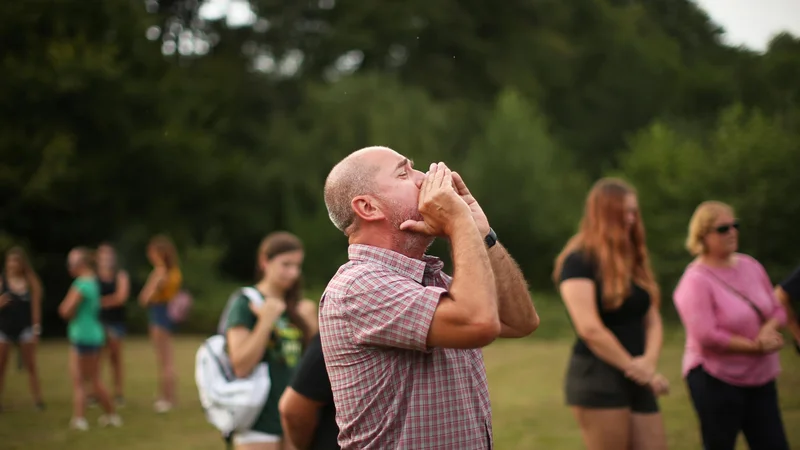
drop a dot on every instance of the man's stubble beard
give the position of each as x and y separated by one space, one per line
409 242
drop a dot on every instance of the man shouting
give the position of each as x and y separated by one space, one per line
401 339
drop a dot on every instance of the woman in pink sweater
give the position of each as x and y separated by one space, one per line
726 303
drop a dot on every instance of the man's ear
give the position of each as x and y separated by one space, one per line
367 209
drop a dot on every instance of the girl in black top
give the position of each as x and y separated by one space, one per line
20 316
114 292
604 277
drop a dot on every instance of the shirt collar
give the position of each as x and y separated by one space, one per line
413 268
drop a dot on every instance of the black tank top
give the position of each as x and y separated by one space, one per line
16 315
117 313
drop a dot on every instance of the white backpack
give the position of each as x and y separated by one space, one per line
231 404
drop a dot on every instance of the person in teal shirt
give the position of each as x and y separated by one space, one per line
81 307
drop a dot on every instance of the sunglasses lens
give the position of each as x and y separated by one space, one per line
725 228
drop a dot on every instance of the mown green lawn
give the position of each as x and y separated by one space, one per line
525 379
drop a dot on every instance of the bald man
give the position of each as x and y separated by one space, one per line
401 339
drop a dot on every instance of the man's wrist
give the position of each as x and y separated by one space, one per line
490 238
37 329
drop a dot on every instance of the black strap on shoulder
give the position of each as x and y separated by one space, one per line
738 294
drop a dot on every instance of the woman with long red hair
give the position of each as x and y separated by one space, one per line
604 277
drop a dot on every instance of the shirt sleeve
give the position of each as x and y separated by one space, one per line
777 313
791 285
577 265
82 286
389 310
695 304
240 315
311 377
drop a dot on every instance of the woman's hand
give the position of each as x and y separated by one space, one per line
270 310
641 370
659 385
770 342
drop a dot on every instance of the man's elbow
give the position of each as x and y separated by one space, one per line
532 324
486 331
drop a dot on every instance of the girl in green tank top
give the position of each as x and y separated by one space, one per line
81 307
276 332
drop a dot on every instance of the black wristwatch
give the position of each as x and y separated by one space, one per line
490 238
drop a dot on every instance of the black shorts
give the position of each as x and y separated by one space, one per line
593 383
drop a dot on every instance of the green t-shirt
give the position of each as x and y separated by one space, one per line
85 328
282 354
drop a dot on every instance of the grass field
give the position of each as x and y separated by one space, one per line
525 379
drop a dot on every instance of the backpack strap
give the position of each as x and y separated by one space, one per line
249 292
221 366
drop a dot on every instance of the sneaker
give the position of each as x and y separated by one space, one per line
162 406
79 423
119 401
112 420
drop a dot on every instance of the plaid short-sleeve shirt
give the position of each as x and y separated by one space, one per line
391 391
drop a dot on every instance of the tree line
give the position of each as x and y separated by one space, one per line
127 118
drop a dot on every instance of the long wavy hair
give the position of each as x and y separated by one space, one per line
620 256
275 244
166 248
31 278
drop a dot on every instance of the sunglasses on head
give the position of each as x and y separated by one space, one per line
722 229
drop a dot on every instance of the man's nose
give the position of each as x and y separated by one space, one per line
419 177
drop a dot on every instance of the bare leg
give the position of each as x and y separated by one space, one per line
89 367
4 350
604 429
78 394
162 340
115 358
647 432
29 360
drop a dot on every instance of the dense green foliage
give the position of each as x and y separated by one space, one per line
125 118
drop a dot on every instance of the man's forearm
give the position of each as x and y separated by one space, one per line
473 278
518 316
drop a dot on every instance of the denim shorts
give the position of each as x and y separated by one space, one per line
25 336
159 316
86 349
115 330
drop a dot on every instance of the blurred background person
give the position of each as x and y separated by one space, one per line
162 285
276 332
114 292
308 413
606 282
81 307
20 317
726 303
788 292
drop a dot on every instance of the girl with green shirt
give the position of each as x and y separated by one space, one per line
81 307
275 332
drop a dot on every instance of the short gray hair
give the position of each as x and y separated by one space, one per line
348 179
